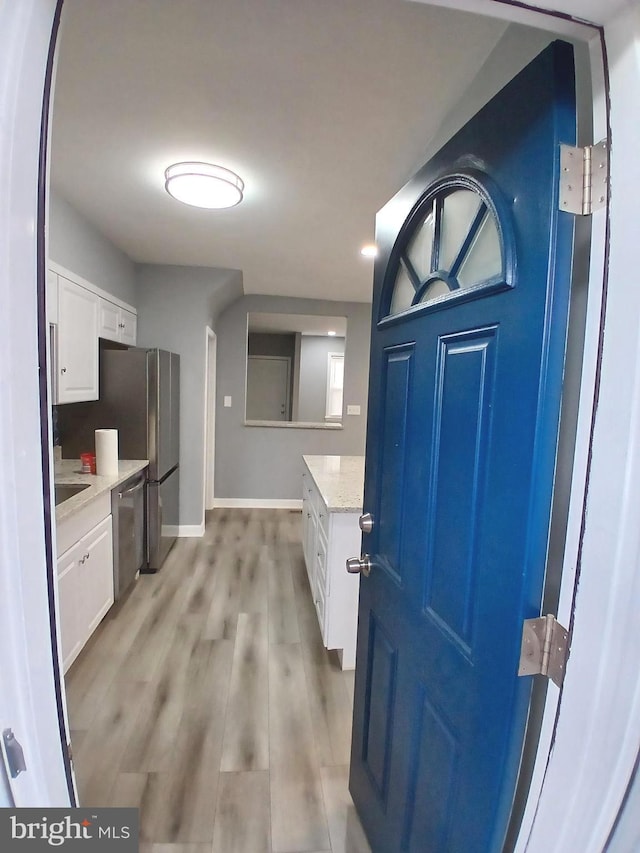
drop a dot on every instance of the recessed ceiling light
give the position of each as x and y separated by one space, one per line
369 251
203 185
331 334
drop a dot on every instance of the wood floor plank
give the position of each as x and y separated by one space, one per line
243 821
128 790
298 820
151 745
184 808
246 735
331 708
156 635
253 580
283 618
345 829
98 758
222 618
174 848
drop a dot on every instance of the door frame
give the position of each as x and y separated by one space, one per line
287 403
600 701
31 689
211 366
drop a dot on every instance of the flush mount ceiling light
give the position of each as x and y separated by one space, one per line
369 251
203 185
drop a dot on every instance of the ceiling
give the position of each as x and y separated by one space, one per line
324 107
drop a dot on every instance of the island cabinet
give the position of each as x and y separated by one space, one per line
332 503
85 575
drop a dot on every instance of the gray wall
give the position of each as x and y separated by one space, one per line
74 243
266 462
314 351
175 305
517 47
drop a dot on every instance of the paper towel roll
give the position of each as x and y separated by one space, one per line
107 451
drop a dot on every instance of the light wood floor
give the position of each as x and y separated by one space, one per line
207 700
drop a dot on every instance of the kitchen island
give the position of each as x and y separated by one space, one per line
332 495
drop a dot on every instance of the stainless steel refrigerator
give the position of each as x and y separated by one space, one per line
140 397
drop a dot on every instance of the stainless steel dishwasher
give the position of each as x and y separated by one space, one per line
128 511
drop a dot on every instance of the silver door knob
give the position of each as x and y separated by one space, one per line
366 522
358 565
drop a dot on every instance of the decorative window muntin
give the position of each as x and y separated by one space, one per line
453 244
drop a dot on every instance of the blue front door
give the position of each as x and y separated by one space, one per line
470 318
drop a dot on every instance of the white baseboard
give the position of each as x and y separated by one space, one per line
256 503
183 530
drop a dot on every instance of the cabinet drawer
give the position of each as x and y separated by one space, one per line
72 529
307 487
319 601
323 518
323 578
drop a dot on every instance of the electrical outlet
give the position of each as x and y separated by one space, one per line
227 402
353 410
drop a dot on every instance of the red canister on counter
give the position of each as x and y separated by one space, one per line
88 463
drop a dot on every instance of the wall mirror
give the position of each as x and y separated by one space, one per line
295 370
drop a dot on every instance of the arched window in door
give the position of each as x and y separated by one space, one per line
452 245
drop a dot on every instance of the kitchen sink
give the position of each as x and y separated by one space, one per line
63 491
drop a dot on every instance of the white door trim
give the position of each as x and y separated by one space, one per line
599 720
28 682
211 342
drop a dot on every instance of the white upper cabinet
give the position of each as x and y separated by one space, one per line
77 343
109 323
129 328
82 313
116 323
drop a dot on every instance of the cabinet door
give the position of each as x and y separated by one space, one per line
128 327
77 343
70 607
109 325
96 569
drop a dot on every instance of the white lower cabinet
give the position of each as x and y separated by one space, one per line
329 538
85 584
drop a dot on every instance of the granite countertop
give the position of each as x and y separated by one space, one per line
69 472
340 480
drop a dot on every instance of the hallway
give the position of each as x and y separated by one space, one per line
207 700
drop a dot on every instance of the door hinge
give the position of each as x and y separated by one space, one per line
545 648
584 178
15 755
